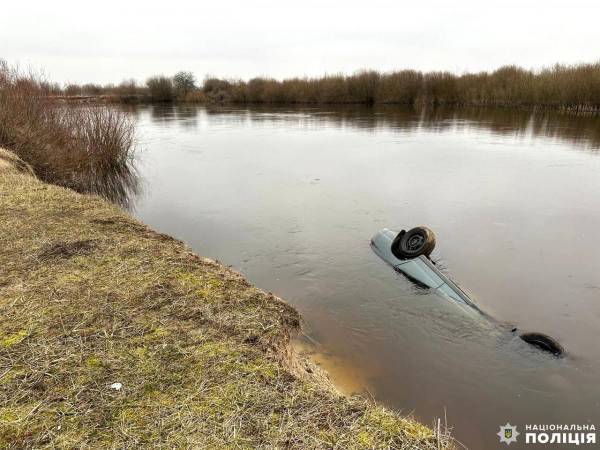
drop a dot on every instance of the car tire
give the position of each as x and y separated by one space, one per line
413 243
543 342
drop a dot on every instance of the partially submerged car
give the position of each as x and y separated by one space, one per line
408 253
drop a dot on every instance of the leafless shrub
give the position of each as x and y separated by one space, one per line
161 88
86 148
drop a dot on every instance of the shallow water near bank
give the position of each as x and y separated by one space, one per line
291 197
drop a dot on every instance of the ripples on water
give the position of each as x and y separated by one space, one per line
291 198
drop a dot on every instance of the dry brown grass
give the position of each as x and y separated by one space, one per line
86 148
90 297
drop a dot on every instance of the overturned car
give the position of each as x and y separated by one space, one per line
408 253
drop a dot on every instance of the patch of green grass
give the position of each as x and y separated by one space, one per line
93 362
12 339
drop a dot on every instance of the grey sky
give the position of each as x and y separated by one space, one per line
108 41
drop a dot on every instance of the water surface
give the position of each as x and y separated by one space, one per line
291 197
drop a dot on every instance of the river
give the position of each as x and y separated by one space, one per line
290 197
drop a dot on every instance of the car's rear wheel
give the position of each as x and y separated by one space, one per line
413 243
543 342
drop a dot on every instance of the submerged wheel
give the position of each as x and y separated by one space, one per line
543 342
415 242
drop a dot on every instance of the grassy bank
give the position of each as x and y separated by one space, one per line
90 297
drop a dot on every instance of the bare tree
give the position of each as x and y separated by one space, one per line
184 83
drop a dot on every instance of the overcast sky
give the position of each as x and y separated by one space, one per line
108 41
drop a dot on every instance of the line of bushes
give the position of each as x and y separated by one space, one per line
88 148
159 88
574 87
571 87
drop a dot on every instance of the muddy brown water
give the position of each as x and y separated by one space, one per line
290 197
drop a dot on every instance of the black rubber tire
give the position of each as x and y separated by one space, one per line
543 342
413 243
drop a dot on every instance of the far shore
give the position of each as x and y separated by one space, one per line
148 100
573 88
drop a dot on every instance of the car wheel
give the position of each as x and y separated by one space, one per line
543 342
413 243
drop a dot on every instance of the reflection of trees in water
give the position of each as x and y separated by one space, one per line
583 129
162 112
579 129
119 185
185 115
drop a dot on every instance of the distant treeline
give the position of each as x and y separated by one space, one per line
159 88
571 87
568 87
